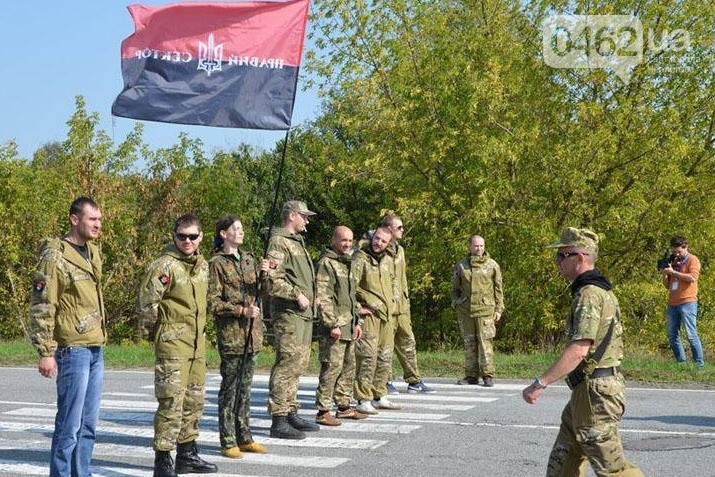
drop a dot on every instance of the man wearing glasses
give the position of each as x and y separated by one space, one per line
680 277
589 422
292 308
404 338
172 310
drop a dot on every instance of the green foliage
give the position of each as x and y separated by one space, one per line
444 112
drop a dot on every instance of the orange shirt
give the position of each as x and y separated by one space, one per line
680 291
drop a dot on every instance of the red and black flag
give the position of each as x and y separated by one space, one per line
213 64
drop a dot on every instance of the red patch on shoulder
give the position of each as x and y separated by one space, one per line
38 286
165 279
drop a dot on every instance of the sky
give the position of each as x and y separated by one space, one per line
55 51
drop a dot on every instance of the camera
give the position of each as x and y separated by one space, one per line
666 260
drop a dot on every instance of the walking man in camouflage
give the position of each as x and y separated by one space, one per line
67 328
338 312
478 298
172 310
589 422
373 351
292 311
404 338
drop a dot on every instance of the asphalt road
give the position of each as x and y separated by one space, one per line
459 431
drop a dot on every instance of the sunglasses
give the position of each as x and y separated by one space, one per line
183 237
561 256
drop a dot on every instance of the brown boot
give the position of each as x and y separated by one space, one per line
327 419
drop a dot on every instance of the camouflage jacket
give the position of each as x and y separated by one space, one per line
336 288
233 285
375 285
592 311
401 295
291 274
172 304
477 286
66 305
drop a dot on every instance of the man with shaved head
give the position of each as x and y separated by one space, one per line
339 328
478 298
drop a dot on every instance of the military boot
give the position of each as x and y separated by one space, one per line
281 429
163 464
301 424
189 462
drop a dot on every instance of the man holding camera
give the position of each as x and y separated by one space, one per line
680 277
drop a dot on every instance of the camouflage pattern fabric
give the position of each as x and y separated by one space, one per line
179 389
337 373
234 427
66 305
373 359
336 288
590 421
293 335
293 330
477 293
404 339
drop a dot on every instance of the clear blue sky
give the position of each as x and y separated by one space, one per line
53 51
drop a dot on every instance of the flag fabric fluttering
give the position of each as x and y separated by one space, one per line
213 64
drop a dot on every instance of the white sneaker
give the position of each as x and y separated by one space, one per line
365 407
384 403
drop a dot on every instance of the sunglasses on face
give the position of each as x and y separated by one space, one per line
561 256
183 237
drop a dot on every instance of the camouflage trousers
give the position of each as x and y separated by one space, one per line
478 331
373 359
406 347
337 373
589 432
235 395
179 389
292 339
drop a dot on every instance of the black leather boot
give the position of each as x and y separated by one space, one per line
280 429
189 462
163 464
301 424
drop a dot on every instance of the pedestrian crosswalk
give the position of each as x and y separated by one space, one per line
125 431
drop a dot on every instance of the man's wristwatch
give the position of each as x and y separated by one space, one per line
538 384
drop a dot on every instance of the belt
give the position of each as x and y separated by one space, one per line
575 378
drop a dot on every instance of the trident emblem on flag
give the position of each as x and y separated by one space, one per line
210 56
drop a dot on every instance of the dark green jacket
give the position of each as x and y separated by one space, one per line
172 302
66 305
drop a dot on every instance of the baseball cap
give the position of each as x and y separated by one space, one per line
297 206
584 239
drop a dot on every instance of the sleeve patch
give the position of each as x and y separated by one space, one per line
38 286
164 279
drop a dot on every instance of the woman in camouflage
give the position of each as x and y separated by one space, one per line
236 279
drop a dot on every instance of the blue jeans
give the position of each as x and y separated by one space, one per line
80 372
685 314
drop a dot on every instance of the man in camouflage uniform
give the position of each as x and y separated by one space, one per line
404 338
67 328
478 298
172 309
373 351
590 420
338 311
237 280
292 311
